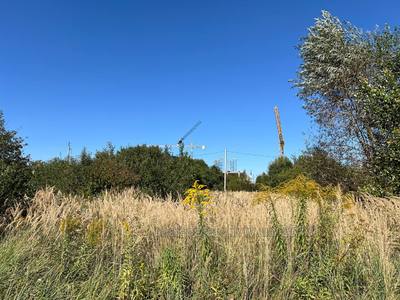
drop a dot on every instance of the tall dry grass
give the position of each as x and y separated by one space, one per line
132 246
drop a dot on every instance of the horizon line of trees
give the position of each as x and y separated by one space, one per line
153 170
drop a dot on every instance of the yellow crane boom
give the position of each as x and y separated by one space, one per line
280 135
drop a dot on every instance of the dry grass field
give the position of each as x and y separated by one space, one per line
131 246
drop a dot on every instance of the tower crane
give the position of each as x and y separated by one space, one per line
279 127
180 143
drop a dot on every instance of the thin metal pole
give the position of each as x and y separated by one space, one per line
69 152
226 170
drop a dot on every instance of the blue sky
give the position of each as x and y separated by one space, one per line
135 72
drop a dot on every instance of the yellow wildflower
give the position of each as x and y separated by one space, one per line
197 197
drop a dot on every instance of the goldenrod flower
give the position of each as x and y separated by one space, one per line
197 197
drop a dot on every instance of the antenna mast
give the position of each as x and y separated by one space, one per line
69 152
280 135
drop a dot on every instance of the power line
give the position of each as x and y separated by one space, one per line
210 153
251 154
236 152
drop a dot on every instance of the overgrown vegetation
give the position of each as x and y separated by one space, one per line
316 164
293 245
279 171
240 182
151 169
15 172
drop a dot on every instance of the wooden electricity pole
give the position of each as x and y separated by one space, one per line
226 168
280 135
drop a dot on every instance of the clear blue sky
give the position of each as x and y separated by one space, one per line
135 72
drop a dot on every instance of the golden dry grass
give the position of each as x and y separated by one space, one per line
365 233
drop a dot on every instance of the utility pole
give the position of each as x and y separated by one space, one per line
226 169
280 135
69 152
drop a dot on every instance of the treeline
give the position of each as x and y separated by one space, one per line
318 165
151 169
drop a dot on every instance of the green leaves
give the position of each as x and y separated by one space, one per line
279 171
349 84
382 102
151 169
15 170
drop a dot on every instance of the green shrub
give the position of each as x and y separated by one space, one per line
279 171
15 172
318 165
151 169
239 182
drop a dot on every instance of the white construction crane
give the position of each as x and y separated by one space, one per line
180 144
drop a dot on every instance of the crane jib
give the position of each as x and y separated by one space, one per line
189 132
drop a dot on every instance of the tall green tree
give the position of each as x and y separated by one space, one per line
279 171
343 68
317 164
15 172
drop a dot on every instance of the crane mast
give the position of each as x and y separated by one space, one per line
279 127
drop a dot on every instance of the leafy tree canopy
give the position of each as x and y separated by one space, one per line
279 171
349 83
151 169
239 182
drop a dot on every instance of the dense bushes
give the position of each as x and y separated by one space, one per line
86 175
239 182
317 165
162 173
15 170
279 171
151 169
